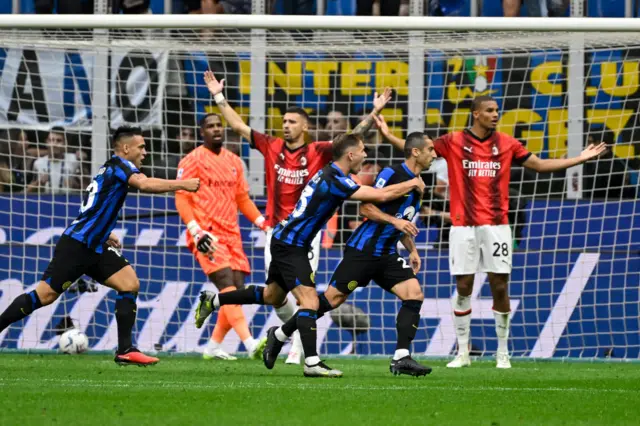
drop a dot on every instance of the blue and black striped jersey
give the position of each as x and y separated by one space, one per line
319 200
377 238
101 203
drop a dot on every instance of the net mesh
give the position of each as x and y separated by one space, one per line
574 287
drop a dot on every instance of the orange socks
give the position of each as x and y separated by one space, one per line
230 316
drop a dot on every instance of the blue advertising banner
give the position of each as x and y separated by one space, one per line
578 297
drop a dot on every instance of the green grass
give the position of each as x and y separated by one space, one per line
91 389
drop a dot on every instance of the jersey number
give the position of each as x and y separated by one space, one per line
89 196
504 248
303 202
404 263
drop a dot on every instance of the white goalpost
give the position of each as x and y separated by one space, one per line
560 83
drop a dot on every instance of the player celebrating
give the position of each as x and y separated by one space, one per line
371 254
290 269
289 164
89 247
211 216
479 162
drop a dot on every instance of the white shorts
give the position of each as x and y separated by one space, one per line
487 248
314 253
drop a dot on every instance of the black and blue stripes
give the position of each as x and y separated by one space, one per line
319 200
101 203
380 239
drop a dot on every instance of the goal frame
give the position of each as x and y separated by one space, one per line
259 24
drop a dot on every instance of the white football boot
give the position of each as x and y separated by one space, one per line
461 360
502 360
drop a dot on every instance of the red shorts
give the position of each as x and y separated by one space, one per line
229 254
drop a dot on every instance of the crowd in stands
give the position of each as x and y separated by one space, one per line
59 161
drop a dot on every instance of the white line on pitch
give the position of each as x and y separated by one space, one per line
337 384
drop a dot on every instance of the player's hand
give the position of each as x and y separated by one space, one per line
419 184
414 260
261 223
593 151
114 241
379 101
406 227
191 185
381 124
205 242
212 83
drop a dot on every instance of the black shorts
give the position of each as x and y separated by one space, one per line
72 259
357 269
290 266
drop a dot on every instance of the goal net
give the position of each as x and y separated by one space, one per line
576 265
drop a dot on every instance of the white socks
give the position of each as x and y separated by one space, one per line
502 330
312 360
280 335
400 353
250 344
462 322
286 311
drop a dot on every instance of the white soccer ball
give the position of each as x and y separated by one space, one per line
73 342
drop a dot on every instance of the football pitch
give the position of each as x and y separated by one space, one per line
38 389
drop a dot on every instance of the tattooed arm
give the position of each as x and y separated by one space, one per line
379 101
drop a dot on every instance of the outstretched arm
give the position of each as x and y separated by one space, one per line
230 115
157 186
379 101
388 193
383 128
552 165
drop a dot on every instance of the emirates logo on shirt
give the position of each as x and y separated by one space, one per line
291 177
481 168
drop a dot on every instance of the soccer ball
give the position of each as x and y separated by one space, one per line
73 342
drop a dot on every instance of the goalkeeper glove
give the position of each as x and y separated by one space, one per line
261 223
205 241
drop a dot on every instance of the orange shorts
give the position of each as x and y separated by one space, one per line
229 254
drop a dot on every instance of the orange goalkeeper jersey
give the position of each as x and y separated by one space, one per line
223 190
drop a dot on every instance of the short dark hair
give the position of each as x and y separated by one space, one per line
342 143
414 140
477 102
298 110
125 132
57 129
204 119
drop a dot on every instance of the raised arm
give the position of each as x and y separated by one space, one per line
388 193
157 186
230 115
373 213
379 101
383 128
552 165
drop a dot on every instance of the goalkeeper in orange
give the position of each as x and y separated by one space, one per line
211 216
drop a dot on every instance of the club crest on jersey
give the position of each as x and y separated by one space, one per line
494 150
303 161
234 171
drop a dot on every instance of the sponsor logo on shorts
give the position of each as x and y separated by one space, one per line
313 277
66 285
352 285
